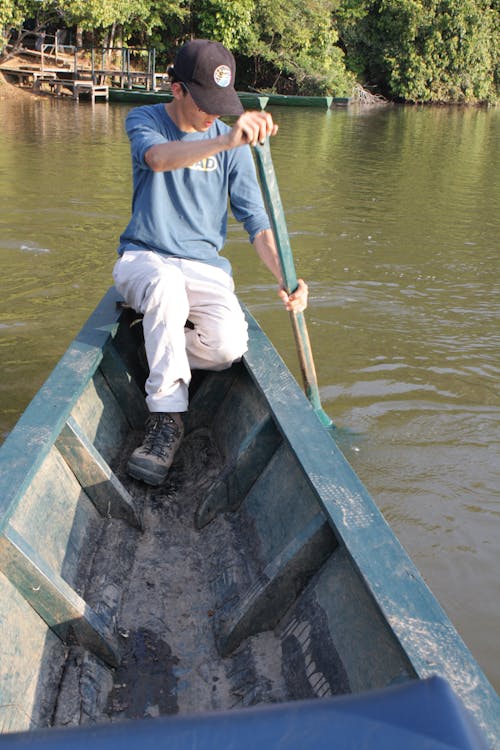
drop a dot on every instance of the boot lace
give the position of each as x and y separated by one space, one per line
161 432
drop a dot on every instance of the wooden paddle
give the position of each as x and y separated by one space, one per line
277 216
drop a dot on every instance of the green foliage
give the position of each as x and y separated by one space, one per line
298 39
88 14
12 16
413 50
424 50
135 16
226 21
289 45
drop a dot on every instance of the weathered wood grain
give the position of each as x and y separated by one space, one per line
95 476
54 600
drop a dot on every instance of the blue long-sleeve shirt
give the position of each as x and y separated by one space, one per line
184 212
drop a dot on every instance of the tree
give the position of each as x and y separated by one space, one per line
136 17
412 50
226 21
300 40
286 45
424 50
13 14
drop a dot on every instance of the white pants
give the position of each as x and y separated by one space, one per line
168 291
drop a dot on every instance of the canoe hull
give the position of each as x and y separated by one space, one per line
248 99
291 100
260 572
135 96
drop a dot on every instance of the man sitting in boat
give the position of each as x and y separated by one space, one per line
186 163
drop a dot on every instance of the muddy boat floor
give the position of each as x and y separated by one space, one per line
162 584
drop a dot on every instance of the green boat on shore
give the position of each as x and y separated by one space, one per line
248 99
142 96
295 100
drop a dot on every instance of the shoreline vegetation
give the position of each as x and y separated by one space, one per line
404 51
11 89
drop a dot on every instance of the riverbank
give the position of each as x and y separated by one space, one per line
10 90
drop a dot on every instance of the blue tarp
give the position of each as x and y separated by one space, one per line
419 715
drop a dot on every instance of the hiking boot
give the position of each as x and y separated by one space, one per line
152 460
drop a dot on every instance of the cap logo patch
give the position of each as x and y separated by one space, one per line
222 76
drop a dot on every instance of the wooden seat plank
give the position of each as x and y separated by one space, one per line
276 588
95 476
55 601
239 474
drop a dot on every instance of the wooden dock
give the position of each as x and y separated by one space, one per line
83 88
55 81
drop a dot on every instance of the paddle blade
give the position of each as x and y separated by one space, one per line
272 197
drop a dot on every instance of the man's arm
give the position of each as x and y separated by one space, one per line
265 247
164 157
250 128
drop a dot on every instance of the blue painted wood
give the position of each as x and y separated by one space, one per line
25 465
425 632
247 98
56 518
30 663
277 214
297 100
123 386
205 400
238 410
280 503
417 716
336 636
308 460
276 588
102 417
239 474
128 343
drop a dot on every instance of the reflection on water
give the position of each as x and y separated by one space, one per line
393 216
64 186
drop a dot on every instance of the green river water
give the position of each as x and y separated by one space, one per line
394 220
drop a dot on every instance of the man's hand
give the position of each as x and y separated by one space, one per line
297 300
265 247
251 128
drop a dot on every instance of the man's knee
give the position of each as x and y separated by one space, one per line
223 344
229 342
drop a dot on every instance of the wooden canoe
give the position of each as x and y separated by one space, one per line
301 100
260 573
138 96
249 99
296 100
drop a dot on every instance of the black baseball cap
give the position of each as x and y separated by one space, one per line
207 70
